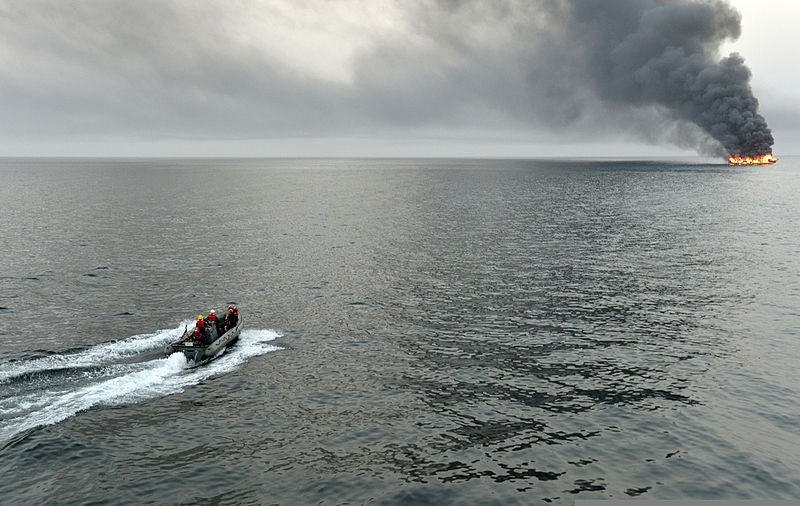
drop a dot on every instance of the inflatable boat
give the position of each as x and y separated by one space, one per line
198 351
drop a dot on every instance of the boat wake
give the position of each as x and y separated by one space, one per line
47 390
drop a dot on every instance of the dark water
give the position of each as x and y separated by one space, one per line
418 331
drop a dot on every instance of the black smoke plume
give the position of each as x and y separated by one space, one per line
651 66
665 53
482 69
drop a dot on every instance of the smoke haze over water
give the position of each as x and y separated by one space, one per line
584 70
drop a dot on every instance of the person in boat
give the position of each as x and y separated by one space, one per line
211 323
231 318
199 329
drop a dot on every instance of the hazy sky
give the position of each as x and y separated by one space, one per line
340 78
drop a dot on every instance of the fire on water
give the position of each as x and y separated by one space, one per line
746 160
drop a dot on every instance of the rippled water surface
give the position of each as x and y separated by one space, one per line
417 331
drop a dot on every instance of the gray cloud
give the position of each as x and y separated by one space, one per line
173 69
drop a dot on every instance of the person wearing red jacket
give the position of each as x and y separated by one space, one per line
199 329
231 318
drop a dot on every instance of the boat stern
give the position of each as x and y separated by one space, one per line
194 352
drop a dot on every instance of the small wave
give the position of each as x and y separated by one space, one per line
133 383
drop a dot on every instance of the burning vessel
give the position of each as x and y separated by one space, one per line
767 159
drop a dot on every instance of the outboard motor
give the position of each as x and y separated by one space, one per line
192 355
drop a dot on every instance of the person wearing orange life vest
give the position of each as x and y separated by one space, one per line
231 318
212 323
199 329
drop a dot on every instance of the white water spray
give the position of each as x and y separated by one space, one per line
105 353
119 383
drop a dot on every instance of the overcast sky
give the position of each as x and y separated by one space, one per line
341 78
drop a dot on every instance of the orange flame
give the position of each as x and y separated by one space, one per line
746 160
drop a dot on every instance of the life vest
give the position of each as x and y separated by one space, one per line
232 317
212 317
201 324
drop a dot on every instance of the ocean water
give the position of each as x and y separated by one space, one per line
417 331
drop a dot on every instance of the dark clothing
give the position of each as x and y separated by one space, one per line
231 319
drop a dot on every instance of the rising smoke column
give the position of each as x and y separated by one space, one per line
650 52
584 67
463 69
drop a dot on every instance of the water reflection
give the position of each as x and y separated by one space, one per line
523 315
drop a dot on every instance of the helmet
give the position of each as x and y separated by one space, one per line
199 317
230 307
211 311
